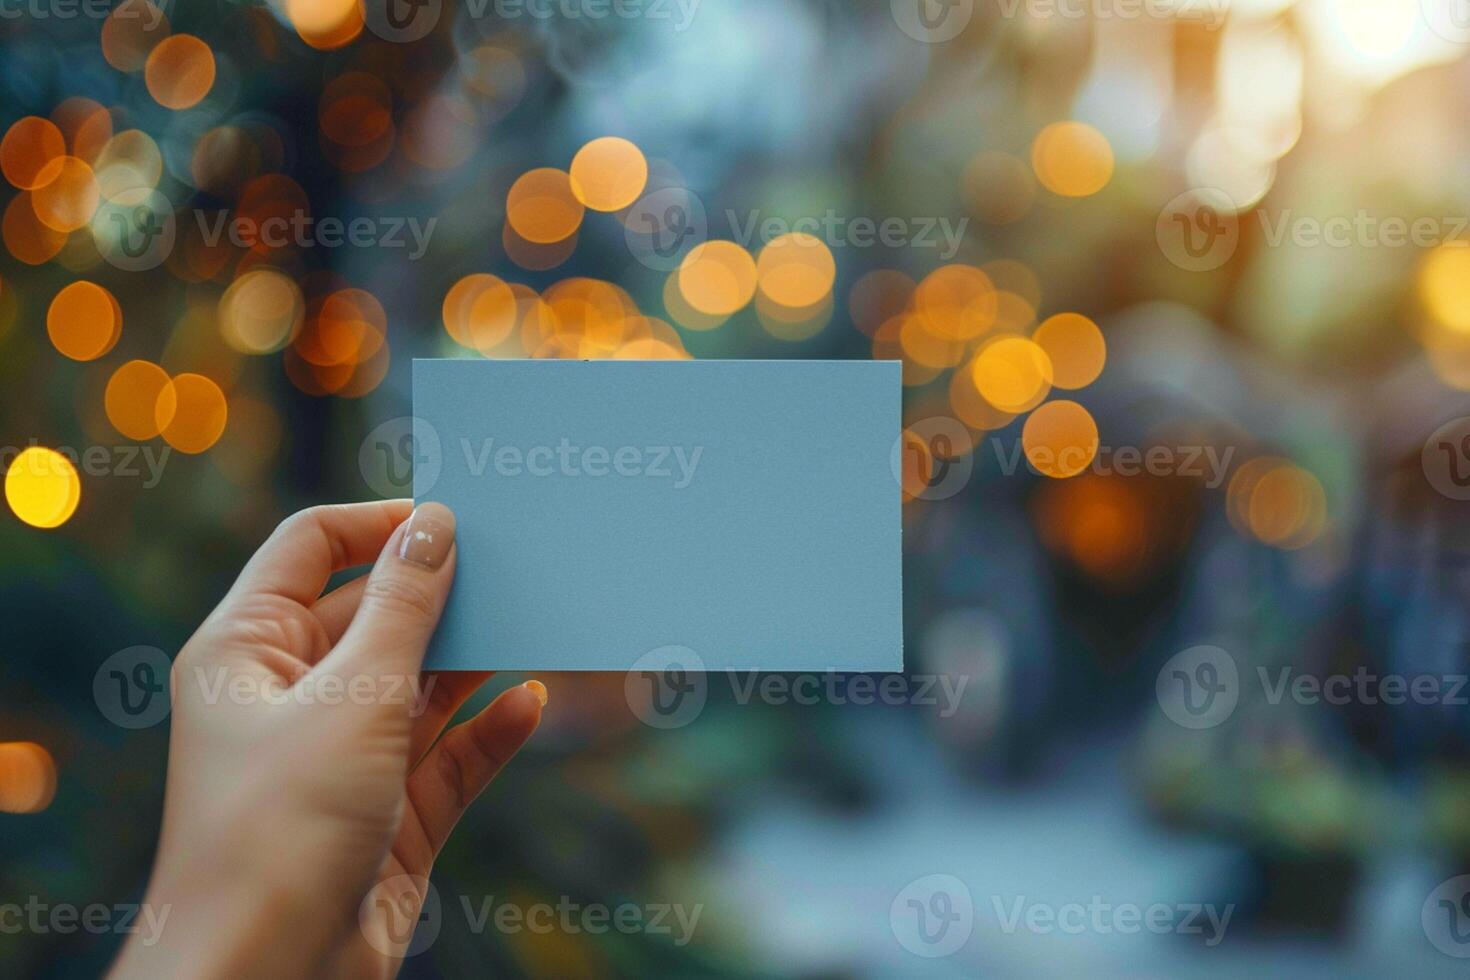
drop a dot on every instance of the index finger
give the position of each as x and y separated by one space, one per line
300 556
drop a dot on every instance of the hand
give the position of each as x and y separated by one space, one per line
304 771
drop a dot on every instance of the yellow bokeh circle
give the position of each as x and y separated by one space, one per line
42 487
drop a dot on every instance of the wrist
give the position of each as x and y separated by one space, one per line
244 927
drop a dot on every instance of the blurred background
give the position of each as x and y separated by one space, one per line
1183 305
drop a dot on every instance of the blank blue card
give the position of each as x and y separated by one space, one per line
743 510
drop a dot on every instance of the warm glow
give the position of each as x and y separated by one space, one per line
67 201
325 24
130 33
1277 502
608 174
25 237
541 207
717 278
191 413
1072 159
1012 373
133 397
42 487
956 303
31 152
1060 439
180 72
86 125
1076 348
796 270
1444 285
84 321
261 312
27 777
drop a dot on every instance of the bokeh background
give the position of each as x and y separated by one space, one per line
1096 233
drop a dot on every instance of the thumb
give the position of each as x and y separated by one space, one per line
403 598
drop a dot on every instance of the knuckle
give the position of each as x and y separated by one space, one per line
400 597
453 772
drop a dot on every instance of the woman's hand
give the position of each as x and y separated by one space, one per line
308 789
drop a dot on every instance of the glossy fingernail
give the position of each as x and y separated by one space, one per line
429 536
539 689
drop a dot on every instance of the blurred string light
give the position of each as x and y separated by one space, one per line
1277 502
84 321
42 487
180 71
1060 439
1072 159
130 33
27 777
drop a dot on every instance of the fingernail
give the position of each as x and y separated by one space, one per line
428 537
539 689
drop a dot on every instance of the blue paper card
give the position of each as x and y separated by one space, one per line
742 511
